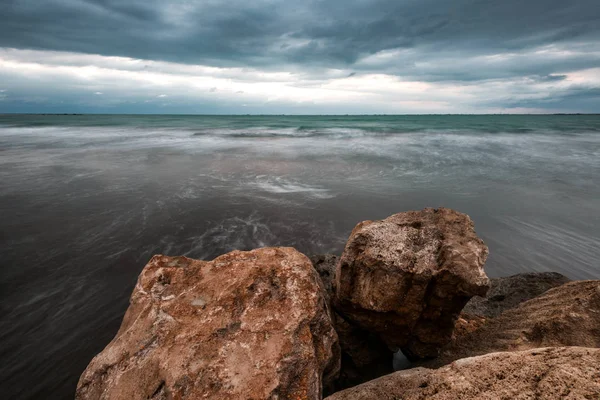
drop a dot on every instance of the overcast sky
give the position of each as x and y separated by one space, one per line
302 57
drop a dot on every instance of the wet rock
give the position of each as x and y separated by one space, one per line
568 315
549 373
245 325
508 292
407 277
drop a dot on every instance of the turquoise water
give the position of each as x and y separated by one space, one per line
87 200
392 124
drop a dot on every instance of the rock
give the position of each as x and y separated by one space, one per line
549 373
407 277
508 292
568 315
364 355
325 265
466 324
245 325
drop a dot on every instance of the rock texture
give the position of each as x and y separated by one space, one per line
508 292
408 276
550 373
364 356
568 315
466 324
325 265
252 325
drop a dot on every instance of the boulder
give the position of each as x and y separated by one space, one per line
548 373
510 291
568 315
407 277
251 325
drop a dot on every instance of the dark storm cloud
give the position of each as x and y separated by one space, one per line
357 55
575 97
315 33
552 78
436 65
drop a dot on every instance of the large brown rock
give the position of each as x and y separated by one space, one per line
251 325
549 373
408 276
568 315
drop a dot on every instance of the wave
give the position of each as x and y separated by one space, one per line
257 132
356 133
295 132
232 233
280 185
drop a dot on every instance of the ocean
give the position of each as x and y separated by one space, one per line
87 200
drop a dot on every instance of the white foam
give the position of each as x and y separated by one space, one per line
281 185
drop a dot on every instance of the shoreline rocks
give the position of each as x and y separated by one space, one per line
568 315
510 291
246 325
548 373
407 277
273 324
505 293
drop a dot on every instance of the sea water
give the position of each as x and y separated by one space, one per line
87 200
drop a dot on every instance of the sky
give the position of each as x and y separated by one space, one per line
299 57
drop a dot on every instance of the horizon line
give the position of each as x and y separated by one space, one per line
295 115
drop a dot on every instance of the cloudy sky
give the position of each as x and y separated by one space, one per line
302 57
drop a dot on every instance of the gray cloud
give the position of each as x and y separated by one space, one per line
574 98
435 41
333 33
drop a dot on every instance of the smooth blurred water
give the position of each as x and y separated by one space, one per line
87 200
